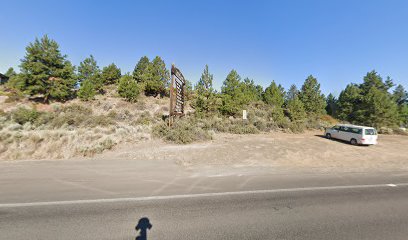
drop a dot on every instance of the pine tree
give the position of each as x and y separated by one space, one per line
152 76
87 90
128 88
160 77
380 109
310 94
88 70
231 94
400 96
370 103
349 103
292 93
205 99
295 109
141 71
331 105
231 84
373 79
274 95
10 72
45 71
111 74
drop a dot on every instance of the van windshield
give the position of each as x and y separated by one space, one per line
370 131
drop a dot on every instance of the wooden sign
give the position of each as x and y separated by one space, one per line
177 92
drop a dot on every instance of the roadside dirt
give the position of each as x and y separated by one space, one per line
275 151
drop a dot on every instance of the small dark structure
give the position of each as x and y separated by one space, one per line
143 225
3 78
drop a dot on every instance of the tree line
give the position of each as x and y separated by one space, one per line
46 73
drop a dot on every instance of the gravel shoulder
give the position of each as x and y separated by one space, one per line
276 151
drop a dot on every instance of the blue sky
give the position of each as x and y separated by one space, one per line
336 41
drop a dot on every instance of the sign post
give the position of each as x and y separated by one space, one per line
177 94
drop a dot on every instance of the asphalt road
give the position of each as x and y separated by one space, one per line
88 200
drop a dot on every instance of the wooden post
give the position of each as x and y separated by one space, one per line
171 113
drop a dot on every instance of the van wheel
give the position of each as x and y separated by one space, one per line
328 135
353 141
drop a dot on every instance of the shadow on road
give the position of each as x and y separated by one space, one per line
338 140
143 225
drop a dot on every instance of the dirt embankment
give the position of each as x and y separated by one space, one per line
278 151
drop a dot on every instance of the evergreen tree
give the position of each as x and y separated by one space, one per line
369 103
88 70
292 93
87 90
141 71
10 72
380 109
250 91
400 95
45 71
274 95
205 84
205 99
349 103
111 74
310 94
331 105
295 109
231 84
373 79
231 94
152 76
160 76
188 90
128 88
403 113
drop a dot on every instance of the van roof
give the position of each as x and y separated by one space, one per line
351 125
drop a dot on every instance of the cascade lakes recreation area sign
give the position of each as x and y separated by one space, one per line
177 93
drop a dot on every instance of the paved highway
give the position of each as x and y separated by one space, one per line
106 202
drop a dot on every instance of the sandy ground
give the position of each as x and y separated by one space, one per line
275 151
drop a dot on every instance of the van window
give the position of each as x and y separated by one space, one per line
370 131
356 130
344 129
336 127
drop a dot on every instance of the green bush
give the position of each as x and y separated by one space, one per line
144 119
79 116
23 115
400 131
183 131
297 127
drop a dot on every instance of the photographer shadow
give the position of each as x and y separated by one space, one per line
142 226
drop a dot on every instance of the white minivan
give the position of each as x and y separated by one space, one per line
353 134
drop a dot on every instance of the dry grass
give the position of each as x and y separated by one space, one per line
74 129
65 143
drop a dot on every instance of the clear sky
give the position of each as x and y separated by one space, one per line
337 41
